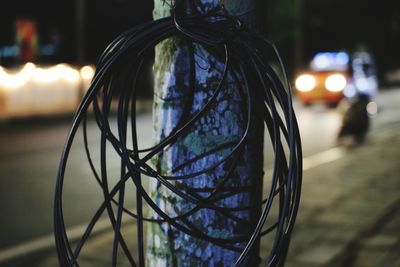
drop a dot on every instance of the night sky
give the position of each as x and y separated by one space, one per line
344 24
327 25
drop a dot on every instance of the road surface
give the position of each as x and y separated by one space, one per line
30 153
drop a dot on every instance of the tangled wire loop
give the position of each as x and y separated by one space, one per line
242 52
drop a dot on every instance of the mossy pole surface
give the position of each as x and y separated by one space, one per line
177 95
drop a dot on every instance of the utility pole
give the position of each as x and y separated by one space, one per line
80 44
166 246
298 34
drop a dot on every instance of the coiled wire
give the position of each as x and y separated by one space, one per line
120 65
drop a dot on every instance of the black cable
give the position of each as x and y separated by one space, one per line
263 94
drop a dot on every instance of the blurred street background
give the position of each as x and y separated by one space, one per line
350 209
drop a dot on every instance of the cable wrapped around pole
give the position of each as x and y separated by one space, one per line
202 170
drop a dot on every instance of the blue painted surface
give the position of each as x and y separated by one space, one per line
225 122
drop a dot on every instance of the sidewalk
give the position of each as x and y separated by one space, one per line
350 211
349 215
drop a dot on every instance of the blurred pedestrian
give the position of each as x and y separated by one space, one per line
356 120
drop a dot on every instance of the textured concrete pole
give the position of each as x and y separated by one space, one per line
224 123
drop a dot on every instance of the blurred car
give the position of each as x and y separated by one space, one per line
325 80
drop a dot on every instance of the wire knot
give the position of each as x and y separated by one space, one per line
216 27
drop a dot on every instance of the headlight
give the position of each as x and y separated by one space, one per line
305 83
335 83
87 72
